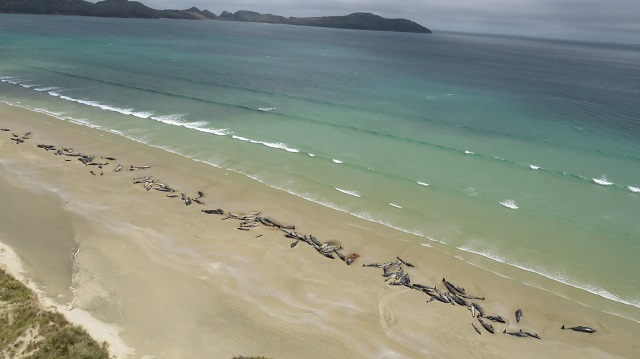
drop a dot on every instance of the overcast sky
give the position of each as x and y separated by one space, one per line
600 20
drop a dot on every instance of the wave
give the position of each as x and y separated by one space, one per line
602 181
276 145
46 89
556 277
176 120
267 109
509 203
634 189
533 167
350 193
124 111
47 112
394 205
145 114
424 184
12 80
336 161
306 196
311 155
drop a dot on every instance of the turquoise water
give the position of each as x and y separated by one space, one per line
522 151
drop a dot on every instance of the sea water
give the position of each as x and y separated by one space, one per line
518 151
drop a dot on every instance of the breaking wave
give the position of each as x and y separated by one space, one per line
350 193
276 145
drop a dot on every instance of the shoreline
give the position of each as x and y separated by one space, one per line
323 300
99 331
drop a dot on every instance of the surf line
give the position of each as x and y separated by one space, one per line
350 193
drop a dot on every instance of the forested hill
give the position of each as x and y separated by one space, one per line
107 8
135 9
358 21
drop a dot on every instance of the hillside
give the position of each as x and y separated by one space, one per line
135 9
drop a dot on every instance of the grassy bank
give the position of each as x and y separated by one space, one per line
27 330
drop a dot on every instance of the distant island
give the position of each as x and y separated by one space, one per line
135 9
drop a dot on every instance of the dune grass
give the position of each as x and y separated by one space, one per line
29 331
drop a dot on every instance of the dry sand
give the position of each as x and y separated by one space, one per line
165 280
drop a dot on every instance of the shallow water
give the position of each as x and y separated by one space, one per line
518 155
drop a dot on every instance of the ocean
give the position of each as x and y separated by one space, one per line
519 155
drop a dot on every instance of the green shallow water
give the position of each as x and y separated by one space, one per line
361 121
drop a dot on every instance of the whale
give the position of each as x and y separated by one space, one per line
454 288
476 328
581 328
495 318
478 309
486 326
516 334
518 315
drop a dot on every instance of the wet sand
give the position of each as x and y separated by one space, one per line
178 283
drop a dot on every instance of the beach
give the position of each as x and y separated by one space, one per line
179 283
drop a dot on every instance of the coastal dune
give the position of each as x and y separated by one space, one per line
178 283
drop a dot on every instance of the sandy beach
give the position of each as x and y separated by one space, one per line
158 278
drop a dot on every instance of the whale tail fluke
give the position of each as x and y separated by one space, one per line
562 326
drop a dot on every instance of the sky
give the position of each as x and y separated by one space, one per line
596 20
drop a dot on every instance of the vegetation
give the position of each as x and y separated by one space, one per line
359 20
135 9
29 331
107 8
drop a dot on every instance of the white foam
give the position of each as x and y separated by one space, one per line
436 240
468 152
365 216
634 189
424 184
276 145
336 161
240 138
509 203
176 120
124 111
47 89
267 109
557 277
215 131
602 181
350 193
50 113
14 81
534 167
311 155
426 245
394 205
28 86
